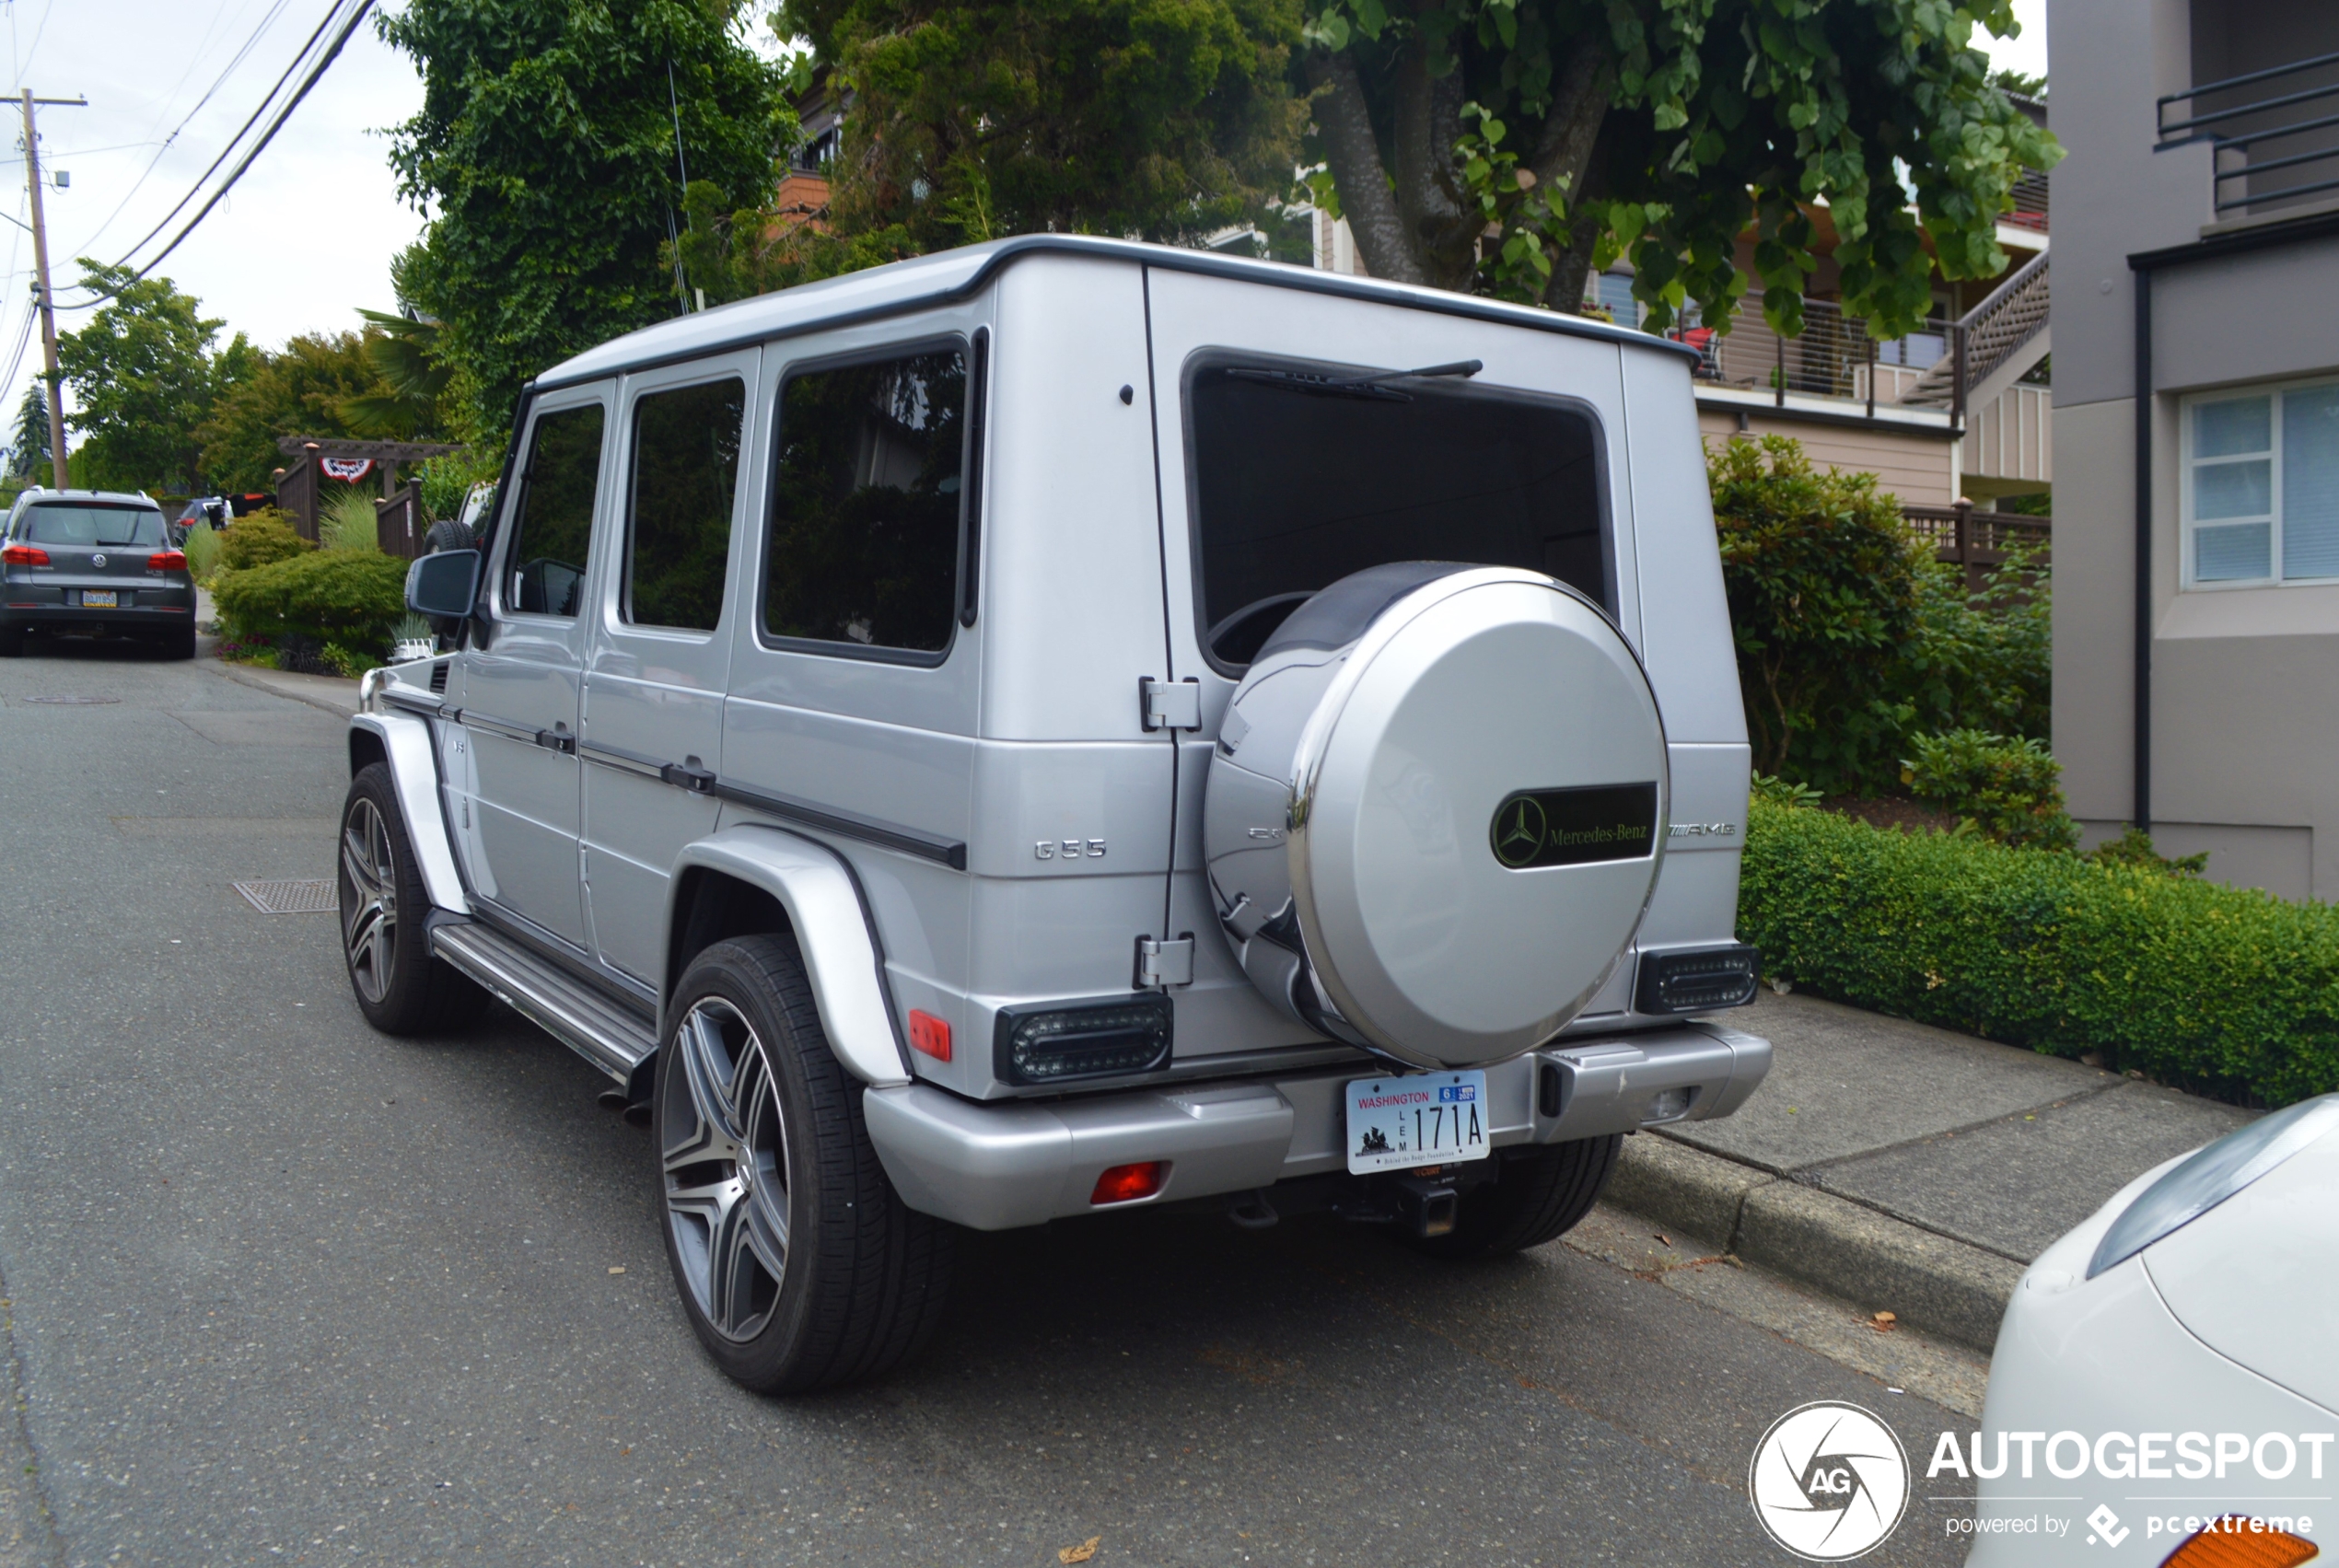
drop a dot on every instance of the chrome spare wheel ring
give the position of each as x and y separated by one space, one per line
724 1146
369 899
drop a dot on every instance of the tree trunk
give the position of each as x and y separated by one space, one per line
1441 229
1566 158
1354 153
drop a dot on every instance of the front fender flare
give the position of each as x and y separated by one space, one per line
834 932
414 768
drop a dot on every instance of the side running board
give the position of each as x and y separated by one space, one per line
602 1032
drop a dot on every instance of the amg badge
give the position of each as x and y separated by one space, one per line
1572 826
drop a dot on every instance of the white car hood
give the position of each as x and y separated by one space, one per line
2257 1277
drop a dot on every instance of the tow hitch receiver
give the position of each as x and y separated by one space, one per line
1427 1205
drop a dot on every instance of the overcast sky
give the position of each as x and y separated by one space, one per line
307 236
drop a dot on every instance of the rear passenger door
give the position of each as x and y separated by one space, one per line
518 703
660 651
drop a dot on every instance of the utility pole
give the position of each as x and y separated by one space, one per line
45 297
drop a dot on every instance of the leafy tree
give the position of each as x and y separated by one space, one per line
545 151
413 399
29 442
1509 146
141 374
1169 120
299 391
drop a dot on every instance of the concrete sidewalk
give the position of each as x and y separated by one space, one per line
1903 1167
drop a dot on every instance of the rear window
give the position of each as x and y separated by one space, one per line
1295 487
53 523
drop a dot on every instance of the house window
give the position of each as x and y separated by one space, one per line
2261 486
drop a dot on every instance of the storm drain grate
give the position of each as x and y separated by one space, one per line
314 895
74 701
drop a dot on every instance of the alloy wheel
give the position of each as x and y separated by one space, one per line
724 1146
369 899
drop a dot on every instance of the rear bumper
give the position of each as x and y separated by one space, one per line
154 610
996 1165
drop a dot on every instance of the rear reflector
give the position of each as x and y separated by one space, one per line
2237 1541
167 560
929 1035
1128 1183
25 555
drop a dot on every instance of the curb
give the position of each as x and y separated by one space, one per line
331 695
1845 1248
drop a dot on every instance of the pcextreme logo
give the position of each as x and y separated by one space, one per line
1829 1481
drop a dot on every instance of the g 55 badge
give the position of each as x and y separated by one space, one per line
1069 849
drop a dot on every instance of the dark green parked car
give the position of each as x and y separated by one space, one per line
93 562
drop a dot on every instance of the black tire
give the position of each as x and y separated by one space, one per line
799 1265
11 642
448 534
1538 1196
401 986
179 642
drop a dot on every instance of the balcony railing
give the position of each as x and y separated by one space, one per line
1834 357
2273 134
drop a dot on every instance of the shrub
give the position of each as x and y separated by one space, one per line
2133 847
347 522
1823 580
204 546
346 597
2010 790
2220 989
259 539
1979 661
1851 636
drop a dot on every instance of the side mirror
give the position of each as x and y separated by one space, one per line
443 585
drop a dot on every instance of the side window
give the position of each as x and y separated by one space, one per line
867 498
549 550
686 470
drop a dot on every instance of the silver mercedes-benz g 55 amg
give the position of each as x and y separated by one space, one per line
1069 725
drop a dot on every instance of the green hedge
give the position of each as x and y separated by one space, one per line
2224 989
347 596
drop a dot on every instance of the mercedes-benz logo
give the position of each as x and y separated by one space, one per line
97 560
1519 831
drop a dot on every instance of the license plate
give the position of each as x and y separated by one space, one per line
1424 1119
92 599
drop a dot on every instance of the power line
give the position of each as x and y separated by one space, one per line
266 100
233 64
315 75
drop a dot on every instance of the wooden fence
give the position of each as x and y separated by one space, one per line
1978 538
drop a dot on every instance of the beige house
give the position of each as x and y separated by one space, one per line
2196 601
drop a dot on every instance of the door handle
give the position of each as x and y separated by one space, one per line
556 740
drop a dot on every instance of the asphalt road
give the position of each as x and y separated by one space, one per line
279 1289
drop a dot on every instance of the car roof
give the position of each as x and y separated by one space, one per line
901 286
40 496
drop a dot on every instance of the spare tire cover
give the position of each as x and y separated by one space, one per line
1436 810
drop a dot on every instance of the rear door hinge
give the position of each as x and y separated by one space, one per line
1170 704
1161 965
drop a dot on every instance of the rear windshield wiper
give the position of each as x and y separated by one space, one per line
1367 384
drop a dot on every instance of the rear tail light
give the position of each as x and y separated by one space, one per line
1694 982
1052 1042
929 1035
25 555
167 560
1128 1183
2237 1541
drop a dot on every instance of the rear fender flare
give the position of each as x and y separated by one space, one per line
833 931
405 745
